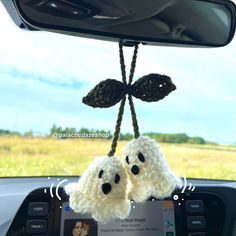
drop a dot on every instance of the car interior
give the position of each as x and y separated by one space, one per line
53 52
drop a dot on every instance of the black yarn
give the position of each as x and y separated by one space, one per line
117 128
131 104
122 104
149 88
134 117
133 64
122 63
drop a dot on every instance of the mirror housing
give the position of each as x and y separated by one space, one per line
162 22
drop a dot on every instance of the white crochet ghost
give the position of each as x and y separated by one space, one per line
149 173
102 190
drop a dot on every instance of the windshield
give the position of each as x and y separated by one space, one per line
46 130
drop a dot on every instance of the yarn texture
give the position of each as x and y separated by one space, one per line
149 88
102 190
148 170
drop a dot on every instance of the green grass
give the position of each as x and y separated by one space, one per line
46 157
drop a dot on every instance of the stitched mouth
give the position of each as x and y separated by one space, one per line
106 188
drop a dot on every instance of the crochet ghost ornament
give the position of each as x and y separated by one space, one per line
102 190
148 171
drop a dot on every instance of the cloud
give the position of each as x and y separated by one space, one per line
59 81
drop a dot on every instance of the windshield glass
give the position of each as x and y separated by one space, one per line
46 130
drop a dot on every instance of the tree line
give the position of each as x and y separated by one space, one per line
160 137
177 138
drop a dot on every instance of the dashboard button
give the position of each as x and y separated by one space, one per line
36 226
38 209
196 222
194 206
197 234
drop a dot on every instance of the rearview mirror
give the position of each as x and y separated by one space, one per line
186 22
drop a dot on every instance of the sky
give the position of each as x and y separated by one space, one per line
43 77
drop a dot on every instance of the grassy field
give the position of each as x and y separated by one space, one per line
47 157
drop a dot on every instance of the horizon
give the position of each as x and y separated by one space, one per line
78 130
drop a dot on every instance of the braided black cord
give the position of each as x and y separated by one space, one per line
122 104
131 103
133 64
134 117
122 63
117 128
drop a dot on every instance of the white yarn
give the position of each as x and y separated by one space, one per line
155 179
87 196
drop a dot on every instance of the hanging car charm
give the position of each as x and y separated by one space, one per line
109 183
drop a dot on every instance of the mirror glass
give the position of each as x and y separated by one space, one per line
172 21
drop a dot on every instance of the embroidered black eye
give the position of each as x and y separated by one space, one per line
100 174
141 157
117 179
127 160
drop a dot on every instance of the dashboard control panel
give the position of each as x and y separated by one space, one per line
182 214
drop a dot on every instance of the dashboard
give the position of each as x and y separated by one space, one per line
39 206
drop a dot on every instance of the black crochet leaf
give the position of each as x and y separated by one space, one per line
149 88
106 94
152 87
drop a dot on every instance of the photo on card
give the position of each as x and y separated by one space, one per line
80 227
